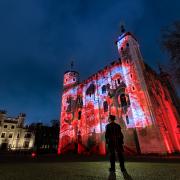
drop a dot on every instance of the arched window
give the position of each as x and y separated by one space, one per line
79 115
105 106
123 100
90 90
127 119
103 89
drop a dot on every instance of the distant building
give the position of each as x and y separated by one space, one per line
46 137
13 134
144 102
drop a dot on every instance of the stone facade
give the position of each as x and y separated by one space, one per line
144 102
13 134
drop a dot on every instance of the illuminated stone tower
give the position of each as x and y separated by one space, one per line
142 113
71 78
128 88
70 82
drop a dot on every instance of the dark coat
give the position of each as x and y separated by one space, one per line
114 136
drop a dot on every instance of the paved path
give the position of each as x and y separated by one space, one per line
87 170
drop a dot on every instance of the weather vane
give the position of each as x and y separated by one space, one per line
122 25
72 65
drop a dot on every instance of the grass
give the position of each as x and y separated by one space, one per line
86 170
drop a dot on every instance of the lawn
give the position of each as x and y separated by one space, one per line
86 170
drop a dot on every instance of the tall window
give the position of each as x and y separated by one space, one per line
105 106
103 89
18 135
123 100
127 119
79 115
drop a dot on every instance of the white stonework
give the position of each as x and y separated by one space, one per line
13 134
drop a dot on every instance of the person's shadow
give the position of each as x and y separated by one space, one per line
112 176
127 176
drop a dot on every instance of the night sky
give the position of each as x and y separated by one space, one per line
39 39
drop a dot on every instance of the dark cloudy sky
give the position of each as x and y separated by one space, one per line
38 39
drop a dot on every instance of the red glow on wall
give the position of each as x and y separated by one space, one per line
127 91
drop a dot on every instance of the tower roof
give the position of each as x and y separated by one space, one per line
124 35
70 71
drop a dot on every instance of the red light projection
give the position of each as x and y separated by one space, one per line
125 90
33 155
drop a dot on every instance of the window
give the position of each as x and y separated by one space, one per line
18 135
26 144
103 89
5 126
3 135
123 100
90 90
131 75
127 119
10 135
133 88
127 44
105 106
12 127
119 81
121 48
79 115
79 102
28 135
74 79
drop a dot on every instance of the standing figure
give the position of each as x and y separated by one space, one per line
114 140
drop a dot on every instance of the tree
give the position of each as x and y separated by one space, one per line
171 43
55 123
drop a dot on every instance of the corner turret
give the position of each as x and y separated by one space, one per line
71 78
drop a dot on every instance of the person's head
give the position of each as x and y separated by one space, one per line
112 118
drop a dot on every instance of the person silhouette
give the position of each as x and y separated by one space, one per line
114 140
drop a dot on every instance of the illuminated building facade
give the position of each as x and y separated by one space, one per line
13 134
145 105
